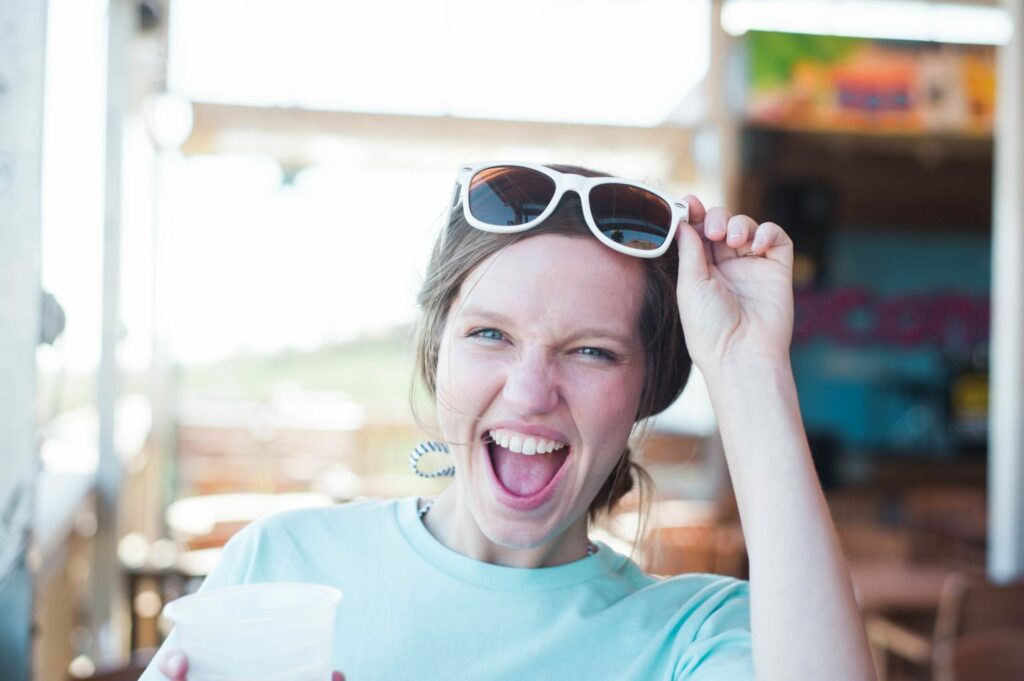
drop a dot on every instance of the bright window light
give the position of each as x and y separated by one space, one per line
260 267
72 174
895 19
601 61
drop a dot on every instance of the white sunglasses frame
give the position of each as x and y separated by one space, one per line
569 182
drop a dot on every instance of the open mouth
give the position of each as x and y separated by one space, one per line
526 479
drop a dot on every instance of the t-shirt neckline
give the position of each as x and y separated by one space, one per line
499 577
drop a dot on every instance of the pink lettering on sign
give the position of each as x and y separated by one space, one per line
857 317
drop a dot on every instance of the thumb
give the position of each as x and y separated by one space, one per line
693 264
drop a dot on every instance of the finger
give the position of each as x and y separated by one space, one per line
174 665
695 209
337 676
741 229
715 223
771 241
693 258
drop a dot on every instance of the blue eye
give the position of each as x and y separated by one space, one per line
597 353
492 334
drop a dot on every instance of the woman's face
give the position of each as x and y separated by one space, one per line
541 351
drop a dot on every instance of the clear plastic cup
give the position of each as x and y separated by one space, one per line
257 632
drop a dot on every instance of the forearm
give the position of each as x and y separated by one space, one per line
805 622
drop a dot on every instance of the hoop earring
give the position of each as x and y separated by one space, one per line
423 448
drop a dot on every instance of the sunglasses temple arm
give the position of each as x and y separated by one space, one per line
454 201
452 205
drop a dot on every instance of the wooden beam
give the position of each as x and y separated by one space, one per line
301 137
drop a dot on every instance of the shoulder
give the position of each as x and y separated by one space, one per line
712 626
700 605
691 594
706 587
360 510
695 605
717 602
284 544
354 517
702 620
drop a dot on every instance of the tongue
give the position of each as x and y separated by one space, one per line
526 475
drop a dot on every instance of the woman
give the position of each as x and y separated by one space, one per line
548 332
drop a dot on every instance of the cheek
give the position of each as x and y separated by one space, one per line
604 412
611 398
466 383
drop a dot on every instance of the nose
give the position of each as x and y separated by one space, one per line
531 385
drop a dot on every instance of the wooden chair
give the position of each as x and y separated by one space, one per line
948 524
969 605
994 655
870 541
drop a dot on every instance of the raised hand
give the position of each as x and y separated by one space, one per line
736 309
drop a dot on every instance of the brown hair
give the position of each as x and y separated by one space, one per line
460 248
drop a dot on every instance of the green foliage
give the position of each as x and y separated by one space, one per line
771 56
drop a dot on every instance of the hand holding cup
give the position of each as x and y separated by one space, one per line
274 630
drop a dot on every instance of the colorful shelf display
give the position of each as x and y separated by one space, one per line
842 84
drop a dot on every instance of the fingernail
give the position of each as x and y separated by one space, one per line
735 231
716 230
175 662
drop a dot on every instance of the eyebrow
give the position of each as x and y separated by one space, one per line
590 331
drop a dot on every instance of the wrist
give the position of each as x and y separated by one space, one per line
737 372
756 407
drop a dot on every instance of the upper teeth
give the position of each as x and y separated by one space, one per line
524 444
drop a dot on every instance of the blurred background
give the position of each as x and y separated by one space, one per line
215 215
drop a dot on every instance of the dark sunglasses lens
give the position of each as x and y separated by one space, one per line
631 216
507 195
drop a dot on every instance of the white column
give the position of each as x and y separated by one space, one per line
1006 420
22 61
721 126
108 607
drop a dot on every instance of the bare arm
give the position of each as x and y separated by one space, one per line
737 314
805 621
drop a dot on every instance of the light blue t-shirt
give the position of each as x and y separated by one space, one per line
413 609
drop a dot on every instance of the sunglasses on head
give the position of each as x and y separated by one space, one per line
627 216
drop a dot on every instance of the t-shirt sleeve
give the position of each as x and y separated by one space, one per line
234 567
721 649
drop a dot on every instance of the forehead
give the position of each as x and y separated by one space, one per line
568 281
